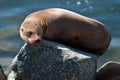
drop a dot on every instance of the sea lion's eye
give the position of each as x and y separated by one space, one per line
29 34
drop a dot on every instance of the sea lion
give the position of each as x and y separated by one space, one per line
65 27
109 71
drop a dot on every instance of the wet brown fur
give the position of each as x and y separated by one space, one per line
66 27
109 71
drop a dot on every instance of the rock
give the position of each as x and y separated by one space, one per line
2 75
109 71
52 61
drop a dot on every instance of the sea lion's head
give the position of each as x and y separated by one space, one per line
31 32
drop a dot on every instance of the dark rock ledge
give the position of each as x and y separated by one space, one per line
2 75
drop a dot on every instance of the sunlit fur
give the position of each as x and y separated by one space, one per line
66 27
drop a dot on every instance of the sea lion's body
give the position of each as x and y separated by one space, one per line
109 71
68 28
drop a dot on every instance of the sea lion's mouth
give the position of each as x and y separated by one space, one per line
35 43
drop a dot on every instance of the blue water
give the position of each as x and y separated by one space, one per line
13 12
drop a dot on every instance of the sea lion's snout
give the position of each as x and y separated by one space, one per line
34 42
37 41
